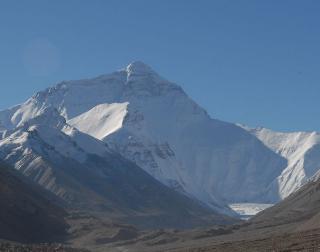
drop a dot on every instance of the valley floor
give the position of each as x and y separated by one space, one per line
13 247
255 240
95 235
303 241
308 241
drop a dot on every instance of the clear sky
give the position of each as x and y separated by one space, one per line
253 62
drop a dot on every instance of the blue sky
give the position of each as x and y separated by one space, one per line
254 62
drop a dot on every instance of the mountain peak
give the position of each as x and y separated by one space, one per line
138 68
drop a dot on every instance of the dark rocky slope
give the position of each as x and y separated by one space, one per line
291 225
25 214
300 211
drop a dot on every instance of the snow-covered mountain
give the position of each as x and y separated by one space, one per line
153 123
87 175
301 149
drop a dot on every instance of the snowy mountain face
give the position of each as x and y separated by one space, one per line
35 147
302 151
153 123
87 175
